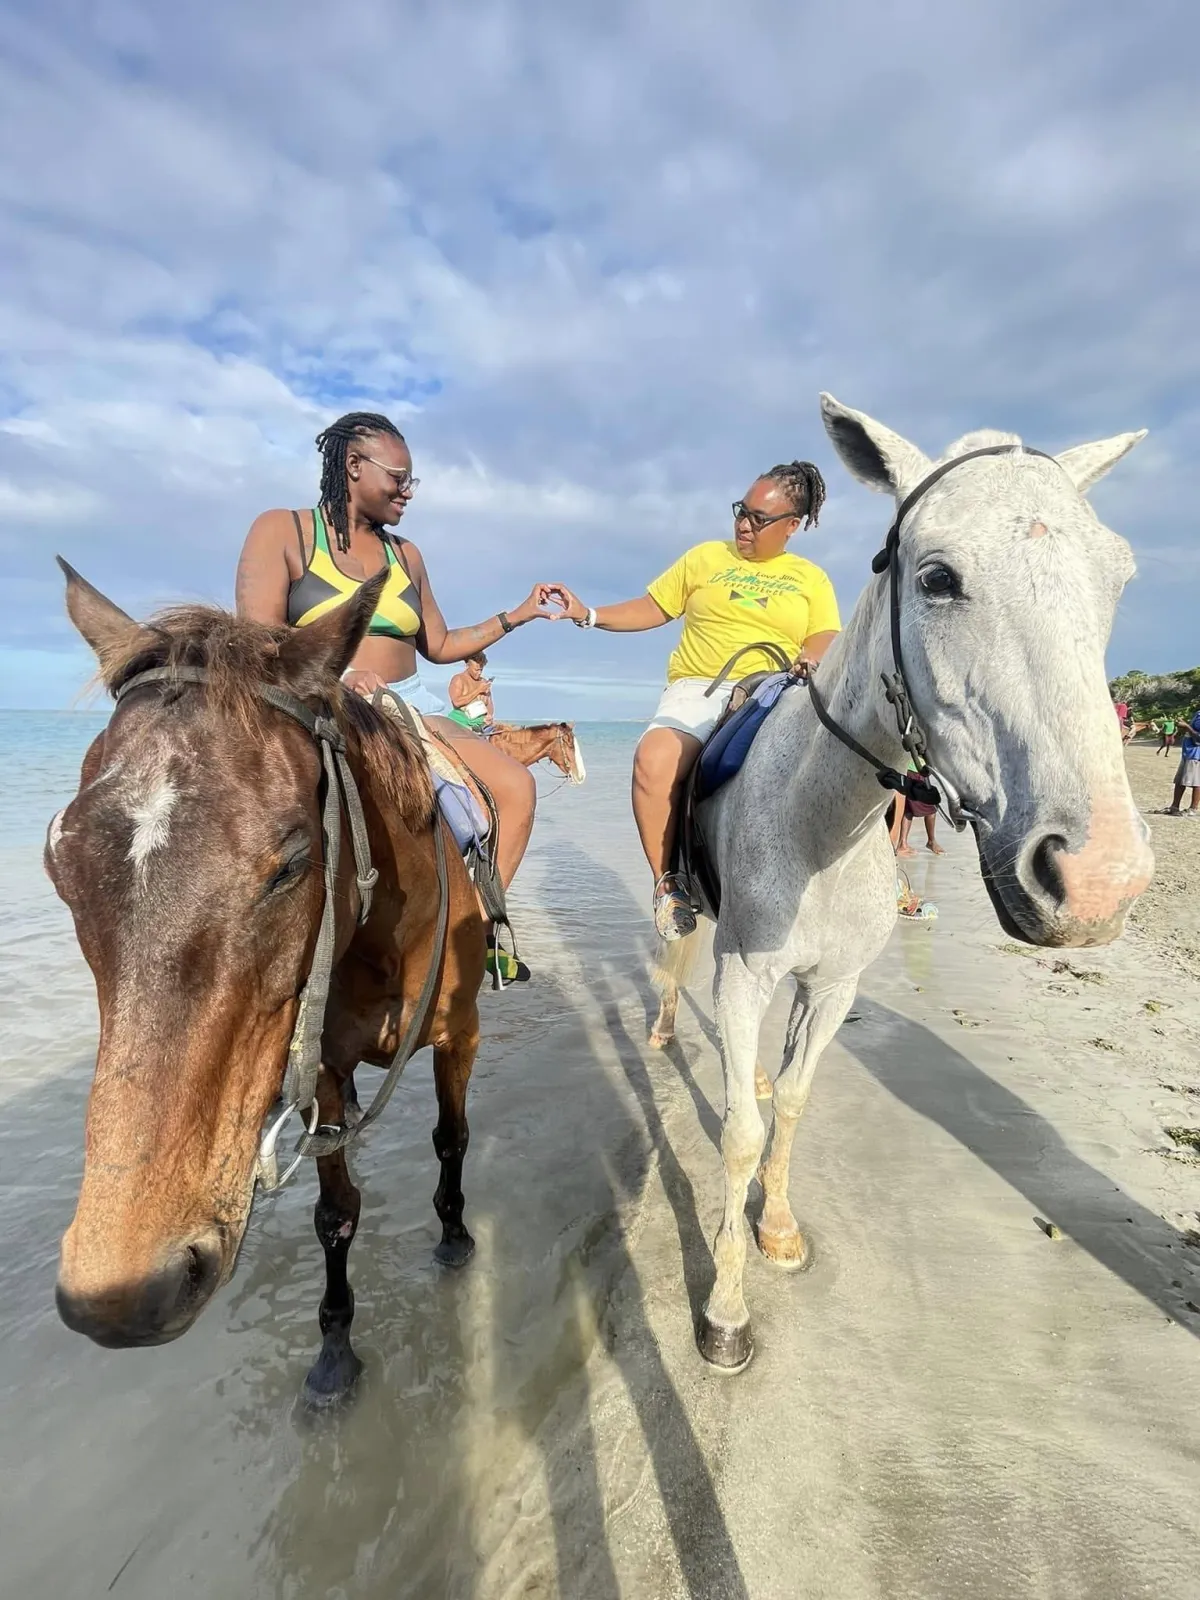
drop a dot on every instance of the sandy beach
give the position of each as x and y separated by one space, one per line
1168 914
950 1402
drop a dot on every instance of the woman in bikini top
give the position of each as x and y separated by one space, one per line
297 565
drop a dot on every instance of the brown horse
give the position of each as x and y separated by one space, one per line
543 741
193 859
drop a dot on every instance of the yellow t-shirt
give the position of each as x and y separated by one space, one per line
727 602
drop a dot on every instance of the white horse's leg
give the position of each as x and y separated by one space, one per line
663 1030
741 1000
673 969
817 1014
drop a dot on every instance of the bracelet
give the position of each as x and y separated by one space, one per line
589 621
502 619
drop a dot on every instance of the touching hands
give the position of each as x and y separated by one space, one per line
546 600
573 608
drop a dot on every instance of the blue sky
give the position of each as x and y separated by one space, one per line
597 261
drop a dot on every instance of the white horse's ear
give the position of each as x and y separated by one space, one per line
872 453
1086 464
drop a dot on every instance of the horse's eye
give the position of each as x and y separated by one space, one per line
940 583
289 873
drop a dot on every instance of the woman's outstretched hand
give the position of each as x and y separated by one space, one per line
549 601
573 608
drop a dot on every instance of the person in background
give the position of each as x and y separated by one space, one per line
909 905
916 808
471 696
1166 731
1187 775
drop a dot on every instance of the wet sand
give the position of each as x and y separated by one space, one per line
948 1403
1168 914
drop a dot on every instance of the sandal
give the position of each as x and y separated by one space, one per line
909 904
504 968
673 914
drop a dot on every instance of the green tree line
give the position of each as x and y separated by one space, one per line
1150 697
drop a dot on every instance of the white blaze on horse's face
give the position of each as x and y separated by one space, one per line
578 770
150 813
1008 586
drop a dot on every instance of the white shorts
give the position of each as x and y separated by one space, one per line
415 694
685 707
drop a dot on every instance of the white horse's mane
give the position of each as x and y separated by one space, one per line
980 439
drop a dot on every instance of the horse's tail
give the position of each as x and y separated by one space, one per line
675 963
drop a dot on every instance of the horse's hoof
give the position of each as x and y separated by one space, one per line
454 1252
660 1041
727 1349
763 1087
332 1379
788 1251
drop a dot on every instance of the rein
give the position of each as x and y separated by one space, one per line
913 785
298 1091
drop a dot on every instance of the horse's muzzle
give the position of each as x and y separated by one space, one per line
1046 893
153 1311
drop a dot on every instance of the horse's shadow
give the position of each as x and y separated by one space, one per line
405 1452
1134 1243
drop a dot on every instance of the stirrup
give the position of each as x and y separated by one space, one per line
673 914
504 967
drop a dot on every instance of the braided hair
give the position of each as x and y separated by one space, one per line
334 443
805 488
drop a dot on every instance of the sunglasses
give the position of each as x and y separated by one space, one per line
756 519
403 479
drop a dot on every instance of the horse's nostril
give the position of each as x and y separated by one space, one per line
201 1270
1044 867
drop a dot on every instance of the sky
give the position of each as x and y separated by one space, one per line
597 261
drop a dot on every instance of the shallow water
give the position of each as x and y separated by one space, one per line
190 1462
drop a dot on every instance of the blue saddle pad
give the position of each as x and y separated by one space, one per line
726 751
463 812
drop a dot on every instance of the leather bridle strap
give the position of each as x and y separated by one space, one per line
777 654
895 684
326 1141
299 1087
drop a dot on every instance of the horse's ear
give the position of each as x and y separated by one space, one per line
325 648
1086 464
870 452
111 632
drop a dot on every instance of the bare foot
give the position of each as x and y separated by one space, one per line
936 849
906 850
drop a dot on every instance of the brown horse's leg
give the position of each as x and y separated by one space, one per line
452 1065
336 1221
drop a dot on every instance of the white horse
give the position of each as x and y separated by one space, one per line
1005 587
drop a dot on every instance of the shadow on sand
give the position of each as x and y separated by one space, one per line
1007 1135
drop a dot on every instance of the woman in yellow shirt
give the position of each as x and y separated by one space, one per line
730 593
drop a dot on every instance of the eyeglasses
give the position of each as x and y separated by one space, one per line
404 480
743 513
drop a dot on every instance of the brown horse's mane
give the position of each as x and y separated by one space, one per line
237 655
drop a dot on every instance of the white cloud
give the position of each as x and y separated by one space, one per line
597 267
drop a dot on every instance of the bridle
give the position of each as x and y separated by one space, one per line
298 1091
560 744
914 785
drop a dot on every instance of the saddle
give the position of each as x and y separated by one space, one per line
466 805
722 756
